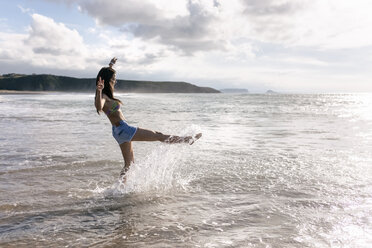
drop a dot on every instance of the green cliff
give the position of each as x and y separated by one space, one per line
45 82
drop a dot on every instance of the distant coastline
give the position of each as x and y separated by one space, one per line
271 92
39 83
235 90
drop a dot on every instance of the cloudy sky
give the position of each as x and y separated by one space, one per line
283 45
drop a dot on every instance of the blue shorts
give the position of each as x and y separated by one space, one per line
123 132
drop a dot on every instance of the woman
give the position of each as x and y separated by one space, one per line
122 132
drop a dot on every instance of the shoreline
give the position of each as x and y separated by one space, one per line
38 92
19 92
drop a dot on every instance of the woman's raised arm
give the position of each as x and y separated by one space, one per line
100 101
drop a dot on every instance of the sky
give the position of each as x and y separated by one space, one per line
299 46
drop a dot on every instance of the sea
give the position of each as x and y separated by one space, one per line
271 170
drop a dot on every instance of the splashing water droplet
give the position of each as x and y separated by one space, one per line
158 171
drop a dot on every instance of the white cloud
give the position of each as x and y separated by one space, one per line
182 25
48 44
204 25
51 46
336 25
134 52
50 38
25 10
245 43
332 24
118 13
12 49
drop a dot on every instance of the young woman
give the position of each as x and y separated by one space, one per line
122 132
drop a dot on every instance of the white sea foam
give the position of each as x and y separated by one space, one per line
160 170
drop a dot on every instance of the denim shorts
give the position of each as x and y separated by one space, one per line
123 132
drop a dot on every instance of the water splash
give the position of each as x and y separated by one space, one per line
161 170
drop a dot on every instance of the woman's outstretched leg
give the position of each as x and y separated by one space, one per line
127 152
148 135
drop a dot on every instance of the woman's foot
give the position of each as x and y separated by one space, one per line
123 174
185 139
195 138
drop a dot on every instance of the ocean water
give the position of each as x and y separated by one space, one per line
269 171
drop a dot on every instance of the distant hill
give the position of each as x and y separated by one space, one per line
234 90
271 92
44 82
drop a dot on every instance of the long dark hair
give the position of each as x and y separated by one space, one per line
107 75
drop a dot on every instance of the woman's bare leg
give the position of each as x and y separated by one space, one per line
148 135
127 151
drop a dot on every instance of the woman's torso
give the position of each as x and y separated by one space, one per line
112 110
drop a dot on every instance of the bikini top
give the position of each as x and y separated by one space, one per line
115 107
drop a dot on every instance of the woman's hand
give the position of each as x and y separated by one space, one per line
100 84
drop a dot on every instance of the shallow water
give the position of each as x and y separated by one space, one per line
269 171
